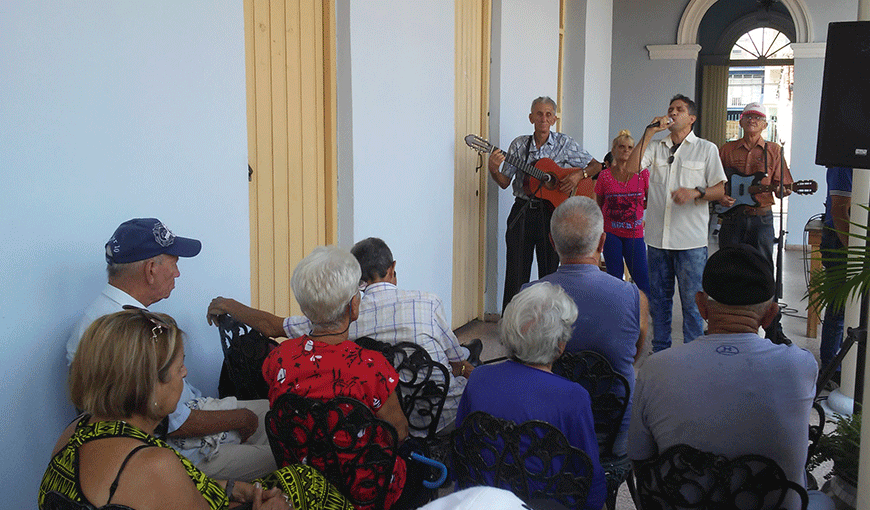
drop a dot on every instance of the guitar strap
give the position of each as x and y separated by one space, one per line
529 147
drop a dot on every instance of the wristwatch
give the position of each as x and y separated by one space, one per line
702 190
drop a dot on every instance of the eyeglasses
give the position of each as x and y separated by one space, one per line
157 322
673 150
754 117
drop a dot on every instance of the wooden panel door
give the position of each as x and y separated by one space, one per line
469 198
290 66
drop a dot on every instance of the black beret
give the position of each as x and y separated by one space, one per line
739 275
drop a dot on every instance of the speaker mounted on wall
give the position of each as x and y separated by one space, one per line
844 118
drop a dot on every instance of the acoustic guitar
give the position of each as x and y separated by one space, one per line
540 178
743 188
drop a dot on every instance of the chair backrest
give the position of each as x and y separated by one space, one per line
341 438
422 388
245 349
684 477
533 459
608 389
816 428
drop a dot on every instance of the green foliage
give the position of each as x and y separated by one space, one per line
843 446
836 286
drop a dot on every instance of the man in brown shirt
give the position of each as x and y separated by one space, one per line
748 156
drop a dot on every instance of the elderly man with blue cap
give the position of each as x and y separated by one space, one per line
225 438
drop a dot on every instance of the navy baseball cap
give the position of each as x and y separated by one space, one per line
739 275
143 238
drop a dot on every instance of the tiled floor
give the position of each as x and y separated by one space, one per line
793 323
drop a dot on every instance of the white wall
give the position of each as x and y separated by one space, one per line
641 88
403 135
110 110
596 135
809 73
527 51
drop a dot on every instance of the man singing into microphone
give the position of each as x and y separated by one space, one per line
685 174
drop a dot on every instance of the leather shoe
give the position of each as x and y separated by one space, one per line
475 347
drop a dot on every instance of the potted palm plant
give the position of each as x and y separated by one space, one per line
843 447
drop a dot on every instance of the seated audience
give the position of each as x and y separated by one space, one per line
127 375
225 438
386 314
534 331
324 364
737 393
622 197
612 314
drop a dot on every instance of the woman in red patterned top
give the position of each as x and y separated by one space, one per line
324 363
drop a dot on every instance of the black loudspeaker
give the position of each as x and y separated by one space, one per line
844 118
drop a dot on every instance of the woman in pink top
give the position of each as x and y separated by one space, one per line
622 197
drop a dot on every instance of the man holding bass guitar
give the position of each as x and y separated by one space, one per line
528 224
745 218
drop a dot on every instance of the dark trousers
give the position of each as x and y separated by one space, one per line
756 231
832 325
528 232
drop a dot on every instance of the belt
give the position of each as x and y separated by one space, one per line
745 210
534 203
754 211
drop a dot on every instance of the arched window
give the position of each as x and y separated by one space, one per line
762 43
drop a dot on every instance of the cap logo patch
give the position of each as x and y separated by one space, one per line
162 235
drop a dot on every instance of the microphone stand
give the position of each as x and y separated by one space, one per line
780 241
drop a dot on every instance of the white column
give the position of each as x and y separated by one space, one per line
860 189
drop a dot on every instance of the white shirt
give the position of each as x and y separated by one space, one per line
112 300
670 226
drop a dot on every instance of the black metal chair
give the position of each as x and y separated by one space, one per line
817 427
684 477
245 349
423 386
610 393
533 459
341 438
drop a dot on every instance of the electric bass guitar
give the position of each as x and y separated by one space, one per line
541 177
743 188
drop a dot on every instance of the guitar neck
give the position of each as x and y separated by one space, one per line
524 167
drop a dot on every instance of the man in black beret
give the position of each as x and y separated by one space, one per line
731 391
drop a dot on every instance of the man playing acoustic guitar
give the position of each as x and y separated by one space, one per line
753 224
528 224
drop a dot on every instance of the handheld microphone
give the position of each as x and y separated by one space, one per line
658 123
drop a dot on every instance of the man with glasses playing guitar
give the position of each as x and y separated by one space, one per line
528 224
747 217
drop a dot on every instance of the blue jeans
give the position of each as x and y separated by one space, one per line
634 251
687 266
832 325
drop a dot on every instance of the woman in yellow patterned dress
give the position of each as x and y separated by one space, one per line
127 376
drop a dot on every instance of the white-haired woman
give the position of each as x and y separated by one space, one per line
324 364
534 330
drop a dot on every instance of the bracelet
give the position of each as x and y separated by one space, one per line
229 489
462 370
584 174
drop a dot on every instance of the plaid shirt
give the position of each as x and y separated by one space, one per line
561 148
391 315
